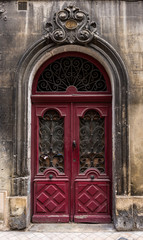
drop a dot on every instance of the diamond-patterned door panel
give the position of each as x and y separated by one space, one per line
92 198
51 199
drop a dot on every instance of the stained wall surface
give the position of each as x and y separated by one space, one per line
120 23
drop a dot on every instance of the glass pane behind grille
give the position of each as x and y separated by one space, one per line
51 141
92 143
71 71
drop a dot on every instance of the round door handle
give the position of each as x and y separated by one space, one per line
92 177
50 176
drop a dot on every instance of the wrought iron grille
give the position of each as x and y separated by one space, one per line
51 141
71 71
92 144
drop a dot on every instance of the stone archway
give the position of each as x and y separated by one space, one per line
26 70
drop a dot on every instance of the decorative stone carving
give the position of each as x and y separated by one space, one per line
71 25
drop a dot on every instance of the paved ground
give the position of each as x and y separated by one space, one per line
70 232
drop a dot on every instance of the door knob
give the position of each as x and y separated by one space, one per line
74 144
50 176
92 177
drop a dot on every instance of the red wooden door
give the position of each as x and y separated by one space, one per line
71 162
92 168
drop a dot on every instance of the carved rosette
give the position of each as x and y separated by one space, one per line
71 25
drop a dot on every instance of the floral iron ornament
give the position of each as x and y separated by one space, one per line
71 25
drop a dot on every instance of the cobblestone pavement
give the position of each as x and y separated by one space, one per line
74 232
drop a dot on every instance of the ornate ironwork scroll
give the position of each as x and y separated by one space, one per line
92 144
75 71
71 25
51 141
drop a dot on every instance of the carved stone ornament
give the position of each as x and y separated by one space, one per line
71 25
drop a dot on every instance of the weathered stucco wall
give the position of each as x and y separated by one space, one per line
118 22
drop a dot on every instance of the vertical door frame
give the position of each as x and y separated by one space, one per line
71 96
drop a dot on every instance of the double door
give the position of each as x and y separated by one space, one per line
71 162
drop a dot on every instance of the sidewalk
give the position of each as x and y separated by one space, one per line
70 231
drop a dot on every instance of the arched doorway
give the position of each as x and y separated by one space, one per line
71 141
33 59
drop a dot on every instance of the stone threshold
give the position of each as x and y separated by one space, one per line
70 227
